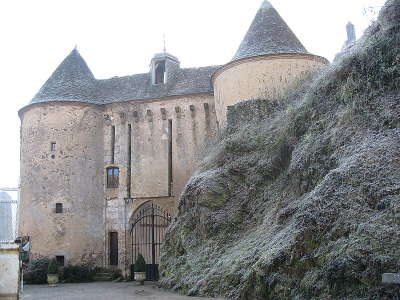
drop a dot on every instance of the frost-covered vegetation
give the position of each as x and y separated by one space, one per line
303 200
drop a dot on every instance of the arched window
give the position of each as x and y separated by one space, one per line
112 177
159 77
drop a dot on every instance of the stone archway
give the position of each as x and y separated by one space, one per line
147 228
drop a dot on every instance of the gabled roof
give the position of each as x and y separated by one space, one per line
73 81
268 34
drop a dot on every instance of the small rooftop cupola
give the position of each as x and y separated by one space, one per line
71 81
268 34
162 66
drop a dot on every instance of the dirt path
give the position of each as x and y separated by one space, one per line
101 291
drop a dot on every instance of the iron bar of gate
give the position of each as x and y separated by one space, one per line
153 250
145 239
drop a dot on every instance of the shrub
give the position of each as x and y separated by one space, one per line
52 268
77 273
36 272
140 264
116 274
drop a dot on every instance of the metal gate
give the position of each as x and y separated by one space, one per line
147 233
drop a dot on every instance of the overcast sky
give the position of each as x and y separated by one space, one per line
119 38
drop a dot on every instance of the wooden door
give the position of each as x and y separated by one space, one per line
113 248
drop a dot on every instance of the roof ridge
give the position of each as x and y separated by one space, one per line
73 81
143 74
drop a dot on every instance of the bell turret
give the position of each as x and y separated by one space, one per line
161 66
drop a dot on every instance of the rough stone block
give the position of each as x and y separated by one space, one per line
391 278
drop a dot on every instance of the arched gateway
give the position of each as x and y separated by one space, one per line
147 232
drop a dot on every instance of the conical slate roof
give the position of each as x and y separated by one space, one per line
268 34
71 81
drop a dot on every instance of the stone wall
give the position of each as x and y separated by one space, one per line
72 174
193 123
264 77
247 111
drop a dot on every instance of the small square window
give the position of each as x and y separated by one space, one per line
60 260
53 146
59 208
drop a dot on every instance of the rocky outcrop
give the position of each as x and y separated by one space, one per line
302 201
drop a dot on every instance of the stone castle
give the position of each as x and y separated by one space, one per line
95 152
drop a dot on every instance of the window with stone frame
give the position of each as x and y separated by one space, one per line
112 177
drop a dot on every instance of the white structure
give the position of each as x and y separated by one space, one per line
9 272
9 251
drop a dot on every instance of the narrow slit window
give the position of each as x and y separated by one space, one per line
53 146
170 178
59 208
112 177
129 166
112 144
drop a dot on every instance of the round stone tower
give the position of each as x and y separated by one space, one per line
269 59
61 167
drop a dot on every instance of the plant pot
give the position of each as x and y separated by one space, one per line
140 276
52 279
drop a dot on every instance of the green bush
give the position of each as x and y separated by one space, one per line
116 274
77 274
52 268
36 272
140 264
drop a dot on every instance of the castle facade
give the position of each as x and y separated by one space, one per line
96 152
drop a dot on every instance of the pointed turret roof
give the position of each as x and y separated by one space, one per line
71 81
268 34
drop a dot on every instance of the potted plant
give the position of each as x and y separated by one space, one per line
52 273
140 269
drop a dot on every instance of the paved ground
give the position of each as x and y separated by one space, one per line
101 291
